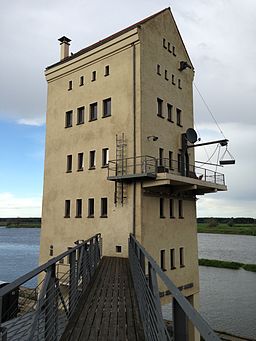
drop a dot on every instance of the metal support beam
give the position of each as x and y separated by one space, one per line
72 281
51 310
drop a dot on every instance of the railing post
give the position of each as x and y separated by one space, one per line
180 322
3 334
51 303
72 281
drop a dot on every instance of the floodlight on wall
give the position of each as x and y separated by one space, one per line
152 137
184 65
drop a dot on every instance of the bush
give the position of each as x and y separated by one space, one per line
213 222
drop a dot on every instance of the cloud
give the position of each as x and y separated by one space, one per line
12 206
37 121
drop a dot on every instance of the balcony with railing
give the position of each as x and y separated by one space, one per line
165 172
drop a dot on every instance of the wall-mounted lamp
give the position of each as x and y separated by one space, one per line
152 137
184 65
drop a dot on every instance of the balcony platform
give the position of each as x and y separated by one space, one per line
132 177
169 182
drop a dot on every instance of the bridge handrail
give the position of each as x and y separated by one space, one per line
138 252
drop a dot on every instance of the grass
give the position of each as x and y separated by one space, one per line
226 264
242 229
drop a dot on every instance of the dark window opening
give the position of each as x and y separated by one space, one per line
106 107
91 208
179 162
68 121
67 209
174 51
106 70
172 258
80 115
181 215
170 160
178 112
179 84
162 260
158 69
78 208
81 81
69 163
51 250
169 47
105 157
93 76
159 107
173 79
172 208
164 43
70 85
80 161
169 112
118 248
161 207
161 157
93 111
182 263
166 75
104 207
92 163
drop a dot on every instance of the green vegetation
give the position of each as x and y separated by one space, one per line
21 222
226 264
228 228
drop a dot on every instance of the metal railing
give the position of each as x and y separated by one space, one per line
145 273
149 165
43 313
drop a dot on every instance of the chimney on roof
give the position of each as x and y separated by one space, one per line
64 47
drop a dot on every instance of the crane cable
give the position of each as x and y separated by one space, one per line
199 93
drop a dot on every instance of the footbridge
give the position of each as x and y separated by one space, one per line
80 295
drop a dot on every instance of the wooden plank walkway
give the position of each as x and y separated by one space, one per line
108 310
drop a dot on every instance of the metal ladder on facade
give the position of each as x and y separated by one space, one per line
121 169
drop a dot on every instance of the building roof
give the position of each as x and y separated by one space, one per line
113 36
107 39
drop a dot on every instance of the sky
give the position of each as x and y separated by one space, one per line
220 38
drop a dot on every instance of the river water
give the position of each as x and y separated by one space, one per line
228 297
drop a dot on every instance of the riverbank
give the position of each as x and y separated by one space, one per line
20 222
240 229
226 264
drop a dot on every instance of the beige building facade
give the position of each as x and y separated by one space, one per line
117 112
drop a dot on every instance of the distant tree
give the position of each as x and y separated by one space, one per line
212 222
231 222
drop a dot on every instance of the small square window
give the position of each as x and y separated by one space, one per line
80 115
118 248
182 262
93 111
92 160
69 163
171 208
105 157
106 107
78 208
93 76
104 208
70 85
169 112
107 71
158 69
166 75
160 107
162 260
67 209
80 161
172 259
91 208
173 80
161 207
178 113
68 119
81 81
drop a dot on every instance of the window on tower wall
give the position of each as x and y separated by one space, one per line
93 111
160 107
182 262
80 161
106 107
172 259
162 260
92 159
105 157
81 81
158 69
68 119
181 215
178 112
106 70
78 208
67 209
93 76
69 163
170 160
91 208
169 112
161 207
70 85
104 207
171 203
80 115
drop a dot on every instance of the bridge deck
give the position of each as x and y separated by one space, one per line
108 310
